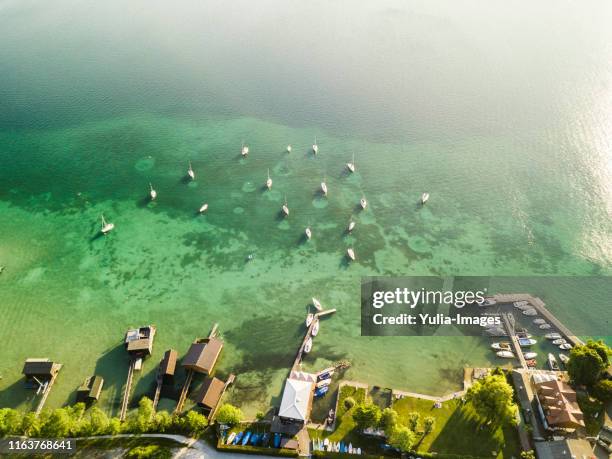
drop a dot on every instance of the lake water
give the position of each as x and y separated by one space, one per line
500 111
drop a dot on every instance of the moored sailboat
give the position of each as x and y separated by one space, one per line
269 181
152 193
106 226
190 172
351 165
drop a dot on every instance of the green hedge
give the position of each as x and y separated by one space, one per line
346 455
249 449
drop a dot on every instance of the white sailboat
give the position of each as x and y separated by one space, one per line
351 166
106 227
308 232
204 207
424 198
269 181
152 193
317 304
245 150
309 319
308 345
285 209
289 148
315 328
315 147
190 172
350 253
505 354
363 203
351 226
324 187
530 355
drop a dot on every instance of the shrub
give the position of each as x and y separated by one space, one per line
349 402
229 414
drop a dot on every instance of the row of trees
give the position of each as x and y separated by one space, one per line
76 421
587 366
400 436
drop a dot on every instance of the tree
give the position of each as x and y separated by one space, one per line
366 415
260 415
602 390
10 422
388 420
58 424
602 349
402 438
429 424
163 421
528 454
586 363
30 425
98 421
491 398
142 420
194 422
114 426
413 421
229 414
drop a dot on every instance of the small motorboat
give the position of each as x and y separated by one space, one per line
350 253
309 319
152 193
245 150
308 345
544 327
505 354
324 382
350 448
317 304
351 226
277 440
523 334
552 362
106 226
496 331
321 391
539 321
487 302
230 438
326 375
315 328
254 439
289 148
204 207
326 443
363 203
530 355
351 166
564 359
359 451
265 439
559 341
502 346
518 304
285 208
552 336
308 232
315 147
238 438
324 187
526 342
531 363
565 346
424 198
246 438
530 312
269 181
190 172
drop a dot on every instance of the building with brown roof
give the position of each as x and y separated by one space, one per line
202 355
90 390
167 366
139 341
559 405
210 394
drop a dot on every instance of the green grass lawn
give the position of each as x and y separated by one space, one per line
458 431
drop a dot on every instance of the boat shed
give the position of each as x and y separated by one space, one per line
202 355
167 367
40 369
139 341
90 390
296 402
210 394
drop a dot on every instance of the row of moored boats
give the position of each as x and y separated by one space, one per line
337 447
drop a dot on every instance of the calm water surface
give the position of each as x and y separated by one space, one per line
500 111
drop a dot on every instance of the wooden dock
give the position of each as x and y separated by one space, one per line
158 388
47 391
540 306
300 354
184 392
128 388
518 352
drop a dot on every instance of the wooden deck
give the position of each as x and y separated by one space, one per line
47 391
518 352
184 392
128 388
300 354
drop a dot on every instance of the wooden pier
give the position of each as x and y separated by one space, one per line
184 392
47 391
128 388
518 352
300 354
158 388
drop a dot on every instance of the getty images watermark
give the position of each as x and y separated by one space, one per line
476 306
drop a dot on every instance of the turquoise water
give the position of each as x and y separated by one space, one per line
500 113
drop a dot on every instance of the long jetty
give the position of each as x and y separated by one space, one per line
300 353
47 391
128 388
514 340
184 392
